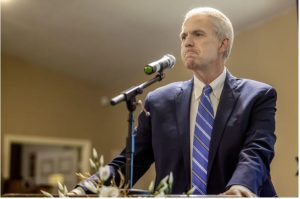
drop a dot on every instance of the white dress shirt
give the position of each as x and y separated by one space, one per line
217 87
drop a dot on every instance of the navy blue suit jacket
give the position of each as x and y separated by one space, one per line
242 143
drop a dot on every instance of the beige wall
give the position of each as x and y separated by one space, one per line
268 53
37 101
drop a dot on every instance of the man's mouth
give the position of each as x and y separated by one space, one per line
190 53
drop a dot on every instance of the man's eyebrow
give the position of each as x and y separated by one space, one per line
192 32
198 30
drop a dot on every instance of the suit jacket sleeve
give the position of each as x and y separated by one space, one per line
258 149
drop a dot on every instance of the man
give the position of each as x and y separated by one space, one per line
214 132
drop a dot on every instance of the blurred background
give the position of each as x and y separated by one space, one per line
62 61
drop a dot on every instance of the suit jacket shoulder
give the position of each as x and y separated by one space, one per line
169 91
248 84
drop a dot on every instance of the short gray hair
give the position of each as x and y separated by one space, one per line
223 26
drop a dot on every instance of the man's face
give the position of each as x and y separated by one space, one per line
200 47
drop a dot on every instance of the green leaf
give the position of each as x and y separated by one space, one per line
65 189
61 195
47 194
151 187
191 191
162 182
122 179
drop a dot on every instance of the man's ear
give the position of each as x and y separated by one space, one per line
224 45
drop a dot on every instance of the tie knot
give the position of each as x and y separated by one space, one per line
207 90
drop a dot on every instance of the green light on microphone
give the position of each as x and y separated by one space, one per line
148 70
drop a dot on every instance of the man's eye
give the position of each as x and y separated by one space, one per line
198 34
183 37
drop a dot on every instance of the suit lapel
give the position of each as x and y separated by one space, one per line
227 102
182 106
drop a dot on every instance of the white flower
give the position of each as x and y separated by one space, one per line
92 164
171 179
90 186
109 191
60 187
104 172
95 154
101 161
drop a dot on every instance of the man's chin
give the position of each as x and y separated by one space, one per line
190 65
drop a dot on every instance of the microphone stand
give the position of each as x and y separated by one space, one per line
129 96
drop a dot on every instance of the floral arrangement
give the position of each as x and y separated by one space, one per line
97 165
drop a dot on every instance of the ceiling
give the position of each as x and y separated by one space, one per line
109 40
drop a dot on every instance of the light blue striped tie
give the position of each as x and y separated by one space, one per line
203 128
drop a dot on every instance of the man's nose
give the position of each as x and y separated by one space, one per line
188 41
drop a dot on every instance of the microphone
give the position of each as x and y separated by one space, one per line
167 61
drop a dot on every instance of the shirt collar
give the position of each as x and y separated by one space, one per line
216 85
